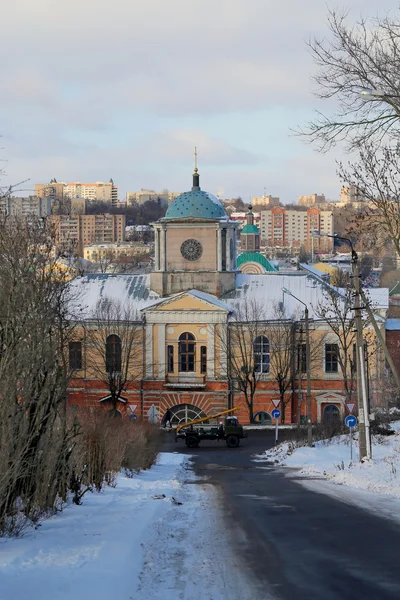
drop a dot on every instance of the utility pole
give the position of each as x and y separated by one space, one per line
362 400
308 367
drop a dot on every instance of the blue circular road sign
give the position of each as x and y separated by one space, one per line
276 413
351 421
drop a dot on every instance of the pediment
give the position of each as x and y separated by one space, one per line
190 301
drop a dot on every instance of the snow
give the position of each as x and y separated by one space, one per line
330 460
125 545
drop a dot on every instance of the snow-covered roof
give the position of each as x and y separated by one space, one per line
266 291
129 290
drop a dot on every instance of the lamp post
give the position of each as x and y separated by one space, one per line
364 434
308 365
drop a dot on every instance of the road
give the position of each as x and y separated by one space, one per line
298 544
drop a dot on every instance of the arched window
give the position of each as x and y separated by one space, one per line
186 353
113 354
261 354
331 412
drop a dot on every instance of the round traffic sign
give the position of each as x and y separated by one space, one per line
351 421
276 413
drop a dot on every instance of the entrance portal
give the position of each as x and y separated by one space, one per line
182 413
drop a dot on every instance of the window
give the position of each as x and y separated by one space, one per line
203 365
331 358
75 356
113 354
261 354
170 359
302 358
186 353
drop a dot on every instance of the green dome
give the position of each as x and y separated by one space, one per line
196 204
250 229
255 257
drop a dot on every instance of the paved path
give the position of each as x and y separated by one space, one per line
299 544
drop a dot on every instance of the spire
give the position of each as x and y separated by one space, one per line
196 176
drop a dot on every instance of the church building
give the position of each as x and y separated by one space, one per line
186 317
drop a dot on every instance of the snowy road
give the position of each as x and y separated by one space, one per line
124 545
304 542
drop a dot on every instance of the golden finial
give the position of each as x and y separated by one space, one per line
195 160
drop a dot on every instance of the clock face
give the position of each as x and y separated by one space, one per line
191 249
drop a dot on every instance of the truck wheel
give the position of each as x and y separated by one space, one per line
232 441
192 441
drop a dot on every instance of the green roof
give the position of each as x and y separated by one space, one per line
255 257
250 229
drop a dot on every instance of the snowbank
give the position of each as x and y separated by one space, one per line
129 543
330 459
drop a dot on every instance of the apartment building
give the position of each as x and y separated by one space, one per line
267 201
99 191
285 228
312 200
78 231
145 195
29 206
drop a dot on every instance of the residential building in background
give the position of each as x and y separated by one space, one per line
267 201
351 195
92 192
50 190
241 218
29 206
144 195
312 200
286 228
116 251
77 231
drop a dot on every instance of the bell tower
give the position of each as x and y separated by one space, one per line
195 245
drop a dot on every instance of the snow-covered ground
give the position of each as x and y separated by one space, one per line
123 544
330 460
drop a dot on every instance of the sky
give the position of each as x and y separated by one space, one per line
93 89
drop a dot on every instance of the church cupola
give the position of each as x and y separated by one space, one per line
250 234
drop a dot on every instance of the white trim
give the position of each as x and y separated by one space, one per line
161 351
149 351
329 398
210 351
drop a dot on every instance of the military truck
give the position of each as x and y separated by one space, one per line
227 429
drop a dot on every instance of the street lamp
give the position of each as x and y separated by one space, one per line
308 365
362 399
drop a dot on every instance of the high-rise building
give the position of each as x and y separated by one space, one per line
145 195
77 231
29 206
351 195
53 190
283 228
267 201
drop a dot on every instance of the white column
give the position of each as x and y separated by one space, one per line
161 351
149 351
228 249
210 351
219 250
163 253
157 248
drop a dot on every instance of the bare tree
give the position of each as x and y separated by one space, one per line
337 311
357 57
244 344
114 342
35 437
376 176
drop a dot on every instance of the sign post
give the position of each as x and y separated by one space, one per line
351 421
276 414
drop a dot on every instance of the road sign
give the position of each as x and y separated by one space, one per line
351 421
276 402
276 413
350 406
